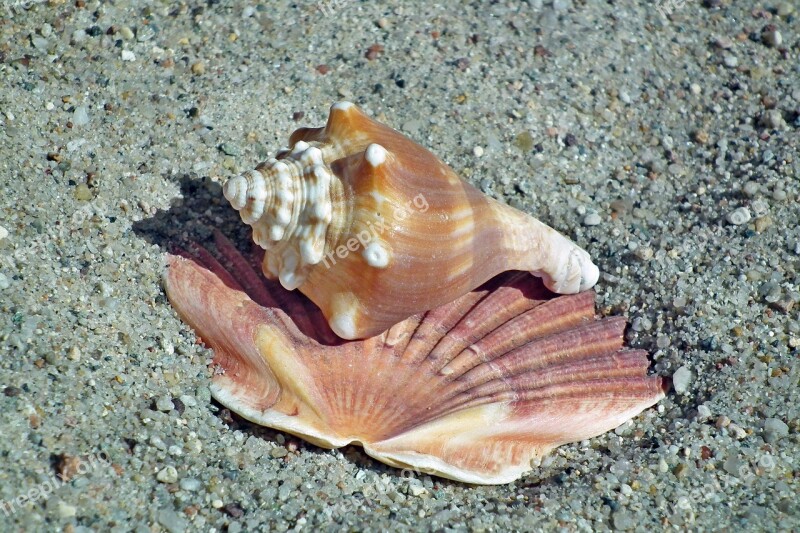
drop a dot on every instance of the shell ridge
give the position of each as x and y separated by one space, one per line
503 303
455 313
507 372
596 338
548 317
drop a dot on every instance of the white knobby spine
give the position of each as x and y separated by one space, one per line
288 204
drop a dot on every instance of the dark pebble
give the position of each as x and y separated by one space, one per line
234 510
179 405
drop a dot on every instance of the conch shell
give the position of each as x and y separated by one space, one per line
374 228
473 390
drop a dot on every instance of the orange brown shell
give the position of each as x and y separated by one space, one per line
374 228
472 390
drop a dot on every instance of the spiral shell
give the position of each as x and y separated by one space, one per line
473 390
374 228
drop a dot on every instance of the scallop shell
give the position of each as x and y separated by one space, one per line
473 390
374 228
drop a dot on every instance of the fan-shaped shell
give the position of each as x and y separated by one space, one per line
374 228
472 390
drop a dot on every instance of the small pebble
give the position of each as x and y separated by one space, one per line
230 149
164 403
66 511
82 192
198 68
772 119
763 223
785 9
760 207
74 354
127 55
418 490
701 136
190 484
737 432
167 475
592 219
80 117
750 188
279 452
172 521
3 233
681 379
478 151
730 60
645 253
774 430
739 216
771 37
732 465
703 412
79 36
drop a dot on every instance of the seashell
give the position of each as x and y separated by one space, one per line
473 390
374 228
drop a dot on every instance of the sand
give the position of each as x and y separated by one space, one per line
662 137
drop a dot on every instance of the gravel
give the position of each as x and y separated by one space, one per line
644 134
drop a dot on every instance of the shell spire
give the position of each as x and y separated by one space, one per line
472 390
374 228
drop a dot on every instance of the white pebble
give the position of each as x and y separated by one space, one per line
730 60
167 475
681 379
3 233
66 511
80 117
773 119
760 207
191 484
736 432
739 216
418 490
775 429
772 38
127 55
478 151
703 412
592 219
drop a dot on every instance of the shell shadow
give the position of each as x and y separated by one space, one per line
191 225
193 217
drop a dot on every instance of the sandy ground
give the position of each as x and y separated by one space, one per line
661 137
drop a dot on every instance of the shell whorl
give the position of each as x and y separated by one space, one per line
289 203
